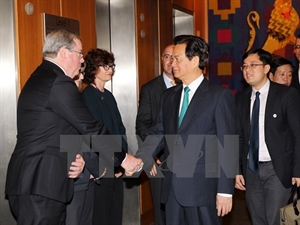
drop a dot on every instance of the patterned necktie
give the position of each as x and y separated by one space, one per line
254 136
185 104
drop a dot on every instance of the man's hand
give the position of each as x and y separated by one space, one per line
132 164
240 182
224 205
296 180
76 167
153 170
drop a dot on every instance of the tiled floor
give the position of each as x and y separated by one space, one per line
239 214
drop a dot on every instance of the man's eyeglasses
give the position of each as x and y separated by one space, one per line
106 67
167 56
80 54
297 47
250 66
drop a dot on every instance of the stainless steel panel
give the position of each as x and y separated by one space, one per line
183 23
8 100
115 28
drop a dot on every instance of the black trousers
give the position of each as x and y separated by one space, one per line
177 214
37 210
80 209
159 208
108 202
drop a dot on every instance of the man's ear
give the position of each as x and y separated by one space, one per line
196 61
267 68
63 51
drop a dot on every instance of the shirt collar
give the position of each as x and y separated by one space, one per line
264 89
167 80
195 84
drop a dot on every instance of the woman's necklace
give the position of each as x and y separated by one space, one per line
94 84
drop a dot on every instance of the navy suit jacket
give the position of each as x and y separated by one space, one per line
190 167
282 130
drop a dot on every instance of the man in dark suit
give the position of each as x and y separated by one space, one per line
195 190
146 117
269 142
296 75
50 109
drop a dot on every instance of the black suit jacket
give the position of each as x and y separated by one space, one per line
189 167
148 111
282 130
49 106
295 79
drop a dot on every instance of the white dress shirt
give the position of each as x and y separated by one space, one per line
263 150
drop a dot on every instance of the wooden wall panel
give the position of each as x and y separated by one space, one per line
29 29
166 30
147 47
84 11
201 19
29 34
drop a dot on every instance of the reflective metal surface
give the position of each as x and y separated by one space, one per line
183 23
8 100
115 28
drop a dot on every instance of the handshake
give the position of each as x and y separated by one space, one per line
132 165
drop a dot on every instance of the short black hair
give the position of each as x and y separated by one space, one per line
195 46
280 62
263 55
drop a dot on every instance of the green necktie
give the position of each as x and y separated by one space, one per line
185 104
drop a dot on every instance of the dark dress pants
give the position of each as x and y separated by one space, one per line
37 210
80 210
159 208
108 202
265 195
177 214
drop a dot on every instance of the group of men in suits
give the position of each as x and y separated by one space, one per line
198 125
268 178
197 198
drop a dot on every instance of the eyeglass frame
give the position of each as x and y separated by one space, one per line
251 66
297 47
168 56
79 53
107 67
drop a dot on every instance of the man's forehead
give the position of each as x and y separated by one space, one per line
179 49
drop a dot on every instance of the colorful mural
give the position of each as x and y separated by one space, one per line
236 26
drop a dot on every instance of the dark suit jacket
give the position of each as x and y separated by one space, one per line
295 79
49 106
149 105
188 162
282 130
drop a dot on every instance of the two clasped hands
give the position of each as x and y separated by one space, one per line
130 164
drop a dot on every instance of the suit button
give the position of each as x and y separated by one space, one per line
176 143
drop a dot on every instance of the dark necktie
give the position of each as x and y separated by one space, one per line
185 104
254 136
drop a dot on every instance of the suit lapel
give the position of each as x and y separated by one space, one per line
161 81
172 107
270 102
195 103
246 106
